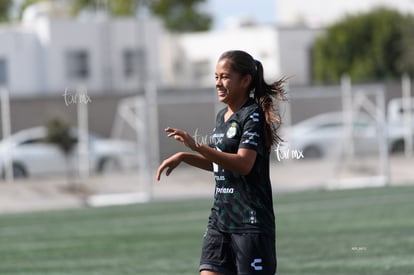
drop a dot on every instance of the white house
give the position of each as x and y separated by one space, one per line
49 53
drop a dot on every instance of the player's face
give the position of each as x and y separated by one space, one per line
230 85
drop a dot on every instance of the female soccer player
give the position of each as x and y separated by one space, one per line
240 236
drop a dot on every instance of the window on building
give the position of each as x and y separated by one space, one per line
77 64
3 71
135 63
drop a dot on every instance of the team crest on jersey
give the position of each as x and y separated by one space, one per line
232 131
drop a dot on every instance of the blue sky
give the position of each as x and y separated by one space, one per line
263 11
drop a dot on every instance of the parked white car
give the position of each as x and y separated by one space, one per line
324 135
32 156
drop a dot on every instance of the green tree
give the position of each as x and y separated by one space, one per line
5 6
115 7
58 133
178 15
405 63
182 15
371 46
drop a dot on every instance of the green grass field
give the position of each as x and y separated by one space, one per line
366 231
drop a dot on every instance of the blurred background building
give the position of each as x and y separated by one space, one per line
49 51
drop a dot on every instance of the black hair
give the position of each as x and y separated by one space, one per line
266 95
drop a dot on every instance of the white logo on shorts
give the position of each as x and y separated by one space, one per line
255 266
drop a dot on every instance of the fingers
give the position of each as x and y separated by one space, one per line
176 134
169 170
161 169
159 172
179 138
183 137
171 131
170 163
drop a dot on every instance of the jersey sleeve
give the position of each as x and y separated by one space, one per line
252 132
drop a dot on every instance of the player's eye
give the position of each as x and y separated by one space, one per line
223 76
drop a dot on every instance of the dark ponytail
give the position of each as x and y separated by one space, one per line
267 96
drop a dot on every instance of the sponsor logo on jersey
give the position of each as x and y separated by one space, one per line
251 138
256 264
223 190
217 138
255 117
219 177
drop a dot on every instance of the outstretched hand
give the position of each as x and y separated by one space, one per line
171 163
183 137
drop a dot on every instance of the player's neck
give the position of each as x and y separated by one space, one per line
235 106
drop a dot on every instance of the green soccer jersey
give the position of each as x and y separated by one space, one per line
242 204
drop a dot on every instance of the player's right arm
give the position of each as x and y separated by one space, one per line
192 159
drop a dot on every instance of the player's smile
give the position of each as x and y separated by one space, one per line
221 92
